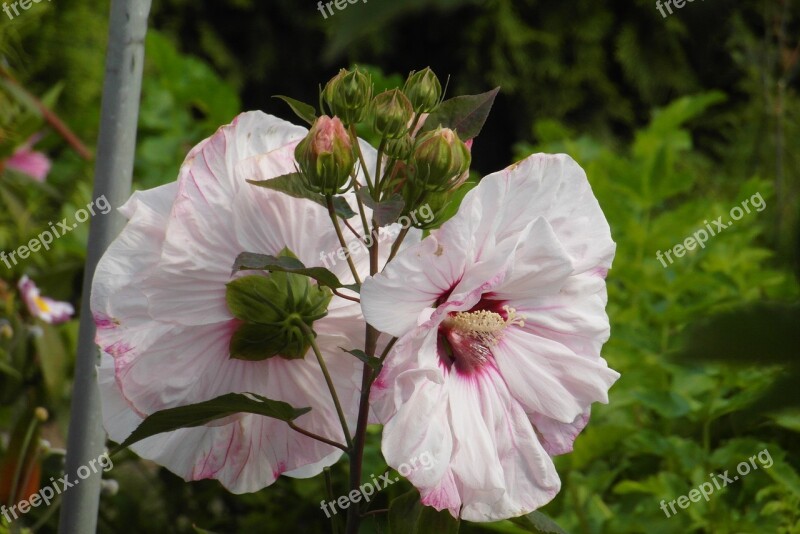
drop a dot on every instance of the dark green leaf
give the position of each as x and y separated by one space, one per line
301 109
408 516
539 523
385 212
372 361
250 261
202 413
292 184
464 114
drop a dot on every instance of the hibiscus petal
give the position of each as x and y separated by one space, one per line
547 378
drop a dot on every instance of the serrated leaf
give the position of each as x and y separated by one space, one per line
386 211
539 523
250 261
199 414
301 109
372 361
464 114
407 515
292 185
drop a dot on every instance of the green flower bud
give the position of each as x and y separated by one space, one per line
272 310
393 112
348 95
423 90
441 160
400 148
325 156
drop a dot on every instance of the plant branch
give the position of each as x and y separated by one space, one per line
310 335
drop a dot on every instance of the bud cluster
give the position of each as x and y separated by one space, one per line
417 159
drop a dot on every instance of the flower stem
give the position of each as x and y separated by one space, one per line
398 242
317 437
354 139
381 149
310 335
26 442
340 235
329 491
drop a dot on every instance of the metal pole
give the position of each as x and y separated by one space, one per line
113 172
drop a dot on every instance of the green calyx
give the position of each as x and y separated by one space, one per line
277 310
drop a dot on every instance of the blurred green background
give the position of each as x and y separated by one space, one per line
676 120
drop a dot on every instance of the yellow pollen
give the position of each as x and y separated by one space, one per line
484 325
41 304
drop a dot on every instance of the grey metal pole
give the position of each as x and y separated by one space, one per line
113 173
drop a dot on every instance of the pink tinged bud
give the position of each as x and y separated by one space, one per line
325 156
441 159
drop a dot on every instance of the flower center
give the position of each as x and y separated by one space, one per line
466 338
41 304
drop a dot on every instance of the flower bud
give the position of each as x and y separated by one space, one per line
441 159
423 90
41 414
325 156
400 148
393 112
348 95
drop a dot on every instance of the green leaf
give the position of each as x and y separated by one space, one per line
250 261
464 114
301 109
538 522
292 185
202 413
372 361
407 515
386 211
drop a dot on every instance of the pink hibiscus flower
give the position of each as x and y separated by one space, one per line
48 310
501 318
165 328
